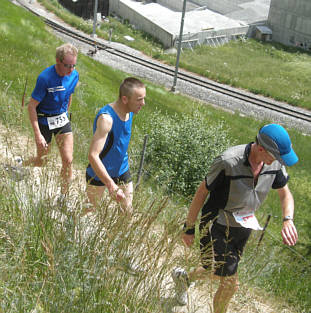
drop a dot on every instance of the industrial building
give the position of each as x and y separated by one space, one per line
209 22
290 22
206 21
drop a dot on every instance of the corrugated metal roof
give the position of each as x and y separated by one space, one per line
264 30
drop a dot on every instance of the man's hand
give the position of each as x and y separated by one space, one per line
116 193
119 195
289 233
41 142
188 239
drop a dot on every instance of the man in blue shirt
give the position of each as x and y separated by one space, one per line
108 150
48 111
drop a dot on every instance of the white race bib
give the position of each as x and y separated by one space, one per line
57 121
247 219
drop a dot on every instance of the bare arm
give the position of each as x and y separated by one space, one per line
104 124
195 207
289 232
40 141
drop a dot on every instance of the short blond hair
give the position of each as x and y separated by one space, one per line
65 49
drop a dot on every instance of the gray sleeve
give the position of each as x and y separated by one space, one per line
216 174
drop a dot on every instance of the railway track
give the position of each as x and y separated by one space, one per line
296 113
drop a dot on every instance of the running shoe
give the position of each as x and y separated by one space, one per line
182 283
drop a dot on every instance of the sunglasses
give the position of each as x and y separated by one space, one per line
69 65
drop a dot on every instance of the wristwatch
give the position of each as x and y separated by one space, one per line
189 230
287 218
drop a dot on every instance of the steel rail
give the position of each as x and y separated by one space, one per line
222 89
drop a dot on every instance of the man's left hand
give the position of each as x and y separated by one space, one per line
289 233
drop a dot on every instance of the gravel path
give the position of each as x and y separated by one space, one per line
209 97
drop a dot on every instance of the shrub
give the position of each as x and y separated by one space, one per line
181 148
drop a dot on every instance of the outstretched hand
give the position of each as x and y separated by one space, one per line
289 233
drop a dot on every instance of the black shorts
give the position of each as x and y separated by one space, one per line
226 244
125 178
47 133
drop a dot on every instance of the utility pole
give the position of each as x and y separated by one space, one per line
179 45
95 19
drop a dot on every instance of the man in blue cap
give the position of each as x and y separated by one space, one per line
237 183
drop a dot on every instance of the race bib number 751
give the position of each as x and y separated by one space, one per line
57 121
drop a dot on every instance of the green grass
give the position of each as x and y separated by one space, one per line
45 264
269 69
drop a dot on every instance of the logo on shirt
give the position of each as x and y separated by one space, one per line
57 88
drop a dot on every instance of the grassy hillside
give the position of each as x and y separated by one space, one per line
49 266
269 69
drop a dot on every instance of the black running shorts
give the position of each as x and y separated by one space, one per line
226 244
47 133
125 178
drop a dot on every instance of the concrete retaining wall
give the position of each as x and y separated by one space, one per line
290 22
119 8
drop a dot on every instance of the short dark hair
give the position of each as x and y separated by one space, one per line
128 85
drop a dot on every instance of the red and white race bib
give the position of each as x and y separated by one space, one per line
247 219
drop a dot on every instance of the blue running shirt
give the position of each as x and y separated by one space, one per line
53 92
116 160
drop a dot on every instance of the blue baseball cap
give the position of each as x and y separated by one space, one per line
275 139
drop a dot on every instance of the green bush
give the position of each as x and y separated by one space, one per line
181 148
